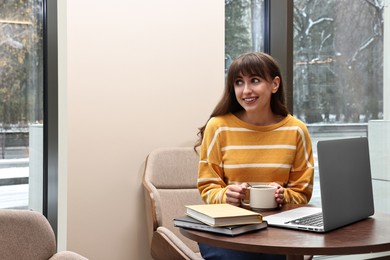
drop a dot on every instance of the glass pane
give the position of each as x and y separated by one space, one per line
338 61
338 67
21 106
244 28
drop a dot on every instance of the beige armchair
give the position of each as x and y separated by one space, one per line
27 235
170 179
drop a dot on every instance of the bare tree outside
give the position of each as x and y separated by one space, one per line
21 104
244 28
21 71
338 60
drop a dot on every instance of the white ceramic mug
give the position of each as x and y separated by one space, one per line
261 197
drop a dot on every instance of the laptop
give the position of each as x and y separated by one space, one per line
346 189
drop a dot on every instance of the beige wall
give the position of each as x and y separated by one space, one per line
134 76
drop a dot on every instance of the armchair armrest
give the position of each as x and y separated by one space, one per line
67 255
166 245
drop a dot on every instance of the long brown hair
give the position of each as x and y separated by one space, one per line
250 64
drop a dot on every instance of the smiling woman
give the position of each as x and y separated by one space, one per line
254 95
250 138
263 82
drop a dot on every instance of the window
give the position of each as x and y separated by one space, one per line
244 28
21 106
338 71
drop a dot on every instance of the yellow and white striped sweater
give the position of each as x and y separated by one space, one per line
234 151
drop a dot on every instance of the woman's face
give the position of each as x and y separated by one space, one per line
254 93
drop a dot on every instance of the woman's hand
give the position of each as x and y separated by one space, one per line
235 193
279 193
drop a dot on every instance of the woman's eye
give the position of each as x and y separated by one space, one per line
255 80
238 82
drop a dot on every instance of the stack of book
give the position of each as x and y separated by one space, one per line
221 218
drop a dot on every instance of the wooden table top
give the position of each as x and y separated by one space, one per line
366 236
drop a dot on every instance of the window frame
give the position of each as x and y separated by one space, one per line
50 107
279 41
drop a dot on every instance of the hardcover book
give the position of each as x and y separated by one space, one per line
223 214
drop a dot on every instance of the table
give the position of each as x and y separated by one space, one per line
366 236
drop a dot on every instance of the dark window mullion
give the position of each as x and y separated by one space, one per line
280 40
50 149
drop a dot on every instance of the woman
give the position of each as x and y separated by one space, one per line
251 139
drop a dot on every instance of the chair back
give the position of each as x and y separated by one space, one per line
170 179
25 234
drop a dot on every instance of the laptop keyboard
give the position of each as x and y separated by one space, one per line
312 220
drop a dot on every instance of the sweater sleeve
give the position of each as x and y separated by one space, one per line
211 184
300 186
